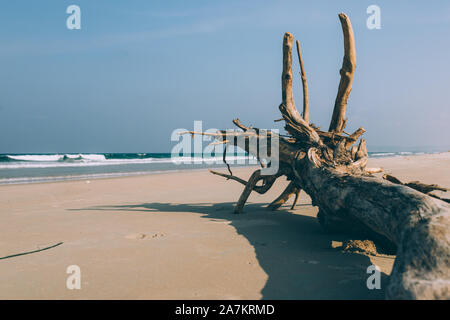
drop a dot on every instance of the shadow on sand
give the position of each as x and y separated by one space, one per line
291 248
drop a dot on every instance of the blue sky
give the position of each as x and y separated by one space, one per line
137 70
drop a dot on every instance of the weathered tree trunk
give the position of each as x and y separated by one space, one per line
332 171
416 223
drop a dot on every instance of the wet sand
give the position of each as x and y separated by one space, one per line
174 236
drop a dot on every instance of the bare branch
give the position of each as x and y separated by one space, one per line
362 150
295 124
392 179
351 139
374 170
304 85
238 124
284 196
268 181
348 68
416 185
222 134
297 196
255 177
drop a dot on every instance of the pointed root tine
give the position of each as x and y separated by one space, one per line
437 197
392 179
228 176
295 124
354 136
425 188
304 85
218 142
283 197
374 170
255 177
286 77
353 152
345 85
221 134
201 133
419 186
268 181
297 195
238 124
362 150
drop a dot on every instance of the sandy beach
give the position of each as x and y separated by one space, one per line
174 236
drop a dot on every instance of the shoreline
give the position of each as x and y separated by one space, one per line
117 175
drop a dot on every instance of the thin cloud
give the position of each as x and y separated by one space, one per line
64 45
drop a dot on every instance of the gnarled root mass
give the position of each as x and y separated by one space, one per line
330 166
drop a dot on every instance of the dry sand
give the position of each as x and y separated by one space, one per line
173 236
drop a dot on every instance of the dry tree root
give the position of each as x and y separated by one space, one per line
291 189
419 186
330 166
268 182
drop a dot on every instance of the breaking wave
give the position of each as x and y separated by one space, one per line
106 159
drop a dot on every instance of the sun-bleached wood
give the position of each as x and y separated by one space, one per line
348 69
304 84
331 169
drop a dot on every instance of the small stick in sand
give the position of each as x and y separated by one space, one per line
29 252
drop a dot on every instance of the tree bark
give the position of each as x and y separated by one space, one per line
416 223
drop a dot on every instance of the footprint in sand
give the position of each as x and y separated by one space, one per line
142 236
136 236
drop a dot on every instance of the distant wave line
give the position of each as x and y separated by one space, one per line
83 162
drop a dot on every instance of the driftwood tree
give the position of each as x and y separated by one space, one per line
330 166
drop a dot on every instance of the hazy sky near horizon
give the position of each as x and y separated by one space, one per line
139 69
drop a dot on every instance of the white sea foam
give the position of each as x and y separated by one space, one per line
383 154
94 160
57 157
43 157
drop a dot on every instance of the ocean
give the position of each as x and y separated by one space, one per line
33 168
29 168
